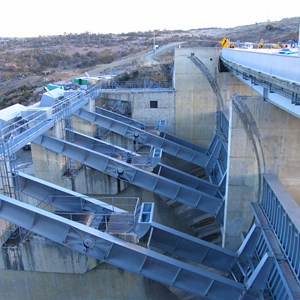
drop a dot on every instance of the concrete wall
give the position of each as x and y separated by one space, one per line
42 255
196 105
140 105
196 102
104 282
54 167
263 138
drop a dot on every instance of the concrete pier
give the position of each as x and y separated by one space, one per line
263 138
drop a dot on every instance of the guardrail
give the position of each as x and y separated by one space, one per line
16 135
137 84
282 66
283 215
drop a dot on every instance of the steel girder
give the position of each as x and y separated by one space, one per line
193 249
141 178
217 166
122 254
143 126
159 236
119 117
159 169
145 138
282 281
114 151
166 239
98 145
187 179
74 204
183 142
59 197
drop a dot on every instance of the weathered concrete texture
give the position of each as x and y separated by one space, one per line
118 140
83 126
196 104
62 171
196 101
42 255
263 138
104 282
53 167
140 105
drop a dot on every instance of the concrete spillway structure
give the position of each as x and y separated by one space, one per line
233 151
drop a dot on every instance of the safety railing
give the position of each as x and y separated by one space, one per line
277 216
222 124
41 119
283 215
137 84
277 283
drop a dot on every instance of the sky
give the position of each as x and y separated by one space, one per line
32 18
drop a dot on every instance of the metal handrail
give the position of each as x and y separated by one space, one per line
283 215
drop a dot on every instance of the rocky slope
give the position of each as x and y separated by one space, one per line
28 64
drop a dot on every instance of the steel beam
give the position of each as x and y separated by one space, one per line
141 178
183 142
98 145
59 197
160 236
120 253
282 272
145 138
193 249
187 179
143 126
119 117
258 280
160 169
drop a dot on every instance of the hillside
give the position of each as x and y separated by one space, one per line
28 64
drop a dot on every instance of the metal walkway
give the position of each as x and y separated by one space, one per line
135 258
40 120
136 176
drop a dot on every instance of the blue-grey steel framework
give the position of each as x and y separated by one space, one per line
145 138
136 259
159 127
139 177
273 222
117 252
159 236
279 217
275 232
136 159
